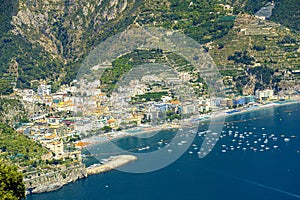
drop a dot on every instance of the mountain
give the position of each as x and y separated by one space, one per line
49 39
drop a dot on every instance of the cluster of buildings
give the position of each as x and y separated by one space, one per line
89 110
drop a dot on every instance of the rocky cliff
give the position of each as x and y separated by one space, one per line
48 39
63 27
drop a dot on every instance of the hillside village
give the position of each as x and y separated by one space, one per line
69 117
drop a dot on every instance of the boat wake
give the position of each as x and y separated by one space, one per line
257 184
269 187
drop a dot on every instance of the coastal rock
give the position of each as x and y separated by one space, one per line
55 180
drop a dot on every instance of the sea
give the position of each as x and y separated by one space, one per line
257 157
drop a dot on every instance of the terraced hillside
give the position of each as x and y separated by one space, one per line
49 39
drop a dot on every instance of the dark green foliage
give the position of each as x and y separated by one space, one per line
229 73
111 76
240 82
12 186
253 6
242 58
8 9
106 129
263 74
287 12
6 87
203 21
33 61
287 40
151 96
18 148
259 48
11 111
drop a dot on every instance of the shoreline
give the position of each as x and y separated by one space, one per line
107 137
115 162
56 181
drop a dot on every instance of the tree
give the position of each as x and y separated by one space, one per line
12 186
106 129
5 87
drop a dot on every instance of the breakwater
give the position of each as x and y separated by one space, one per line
111 163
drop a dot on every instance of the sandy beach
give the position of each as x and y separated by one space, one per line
185 123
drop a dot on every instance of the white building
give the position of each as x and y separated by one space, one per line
264 94
44 90
204 105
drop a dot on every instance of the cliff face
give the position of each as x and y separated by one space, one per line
63 27
49 39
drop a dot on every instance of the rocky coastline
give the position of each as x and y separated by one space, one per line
56 180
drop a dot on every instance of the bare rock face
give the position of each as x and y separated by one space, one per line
62 28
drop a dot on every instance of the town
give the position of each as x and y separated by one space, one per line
67 118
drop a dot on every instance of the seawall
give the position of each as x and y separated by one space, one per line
56 180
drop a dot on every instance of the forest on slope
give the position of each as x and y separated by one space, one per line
50 41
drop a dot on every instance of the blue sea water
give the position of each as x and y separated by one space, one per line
271 171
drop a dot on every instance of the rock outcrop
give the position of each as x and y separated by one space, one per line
62 28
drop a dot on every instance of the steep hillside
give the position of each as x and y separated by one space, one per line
287 13
49 39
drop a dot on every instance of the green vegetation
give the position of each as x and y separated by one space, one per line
12 111
17 149
241 57
18 57
106 129
252 6
55 50
26 58
203 21
171 115
151 96
264 74
287 12
111 76
259 48
229 72
6 87
12 186
124 64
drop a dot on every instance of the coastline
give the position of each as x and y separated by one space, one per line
55 181
107 137
114 162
